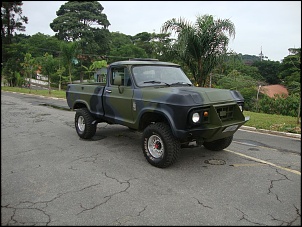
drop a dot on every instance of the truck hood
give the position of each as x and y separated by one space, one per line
188 96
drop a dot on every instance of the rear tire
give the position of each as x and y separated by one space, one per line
160 147
218 145
84 123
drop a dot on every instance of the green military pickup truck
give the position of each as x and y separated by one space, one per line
157 99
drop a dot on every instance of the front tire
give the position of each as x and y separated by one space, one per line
160 147
84 123
218 145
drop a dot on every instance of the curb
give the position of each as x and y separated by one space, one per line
287 134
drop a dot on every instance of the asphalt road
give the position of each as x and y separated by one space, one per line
49 176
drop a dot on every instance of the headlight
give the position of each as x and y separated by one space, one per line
195 117
240 107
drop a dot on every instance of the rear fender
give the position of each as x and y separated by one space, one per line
81 104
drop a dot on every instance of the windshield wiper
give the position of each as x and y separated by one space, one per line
155 82
182 83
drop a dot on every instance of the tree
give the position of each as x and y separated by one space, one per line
62 78
143 40
95 66
78 19
28 66
290 70
128 51
246 85
11 20
269 70
39 44
160 46
83 22
293 80
117 40
69 52
200 45
49 67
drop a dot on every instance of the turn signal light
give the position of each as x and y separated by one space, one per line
205 114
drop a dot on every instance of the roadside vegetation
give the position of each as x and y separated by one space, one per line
78 51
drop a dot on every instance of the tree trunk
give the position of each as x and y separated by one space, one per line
81 77
49 88
69 69
299 109
30 84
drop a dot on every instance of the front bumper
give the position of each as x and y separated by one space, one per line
218 127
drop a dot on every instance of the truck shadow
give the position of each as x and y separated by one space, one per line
122 140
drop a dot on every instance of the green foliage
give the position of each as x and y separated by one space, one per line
39 44
78 19
234 62
68 52
10 67
280 105
201 45
83 22
246 85
128 51
58 78
117 40
49 66
269 70
248 59
95 66
11 20
19 80
290 69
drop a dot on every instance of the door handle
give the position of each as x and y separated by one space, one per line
108 91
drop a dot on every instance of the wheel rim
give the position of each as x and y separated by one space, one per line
155 146
81 123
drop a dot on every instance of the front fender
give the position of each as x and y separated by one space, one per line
154 115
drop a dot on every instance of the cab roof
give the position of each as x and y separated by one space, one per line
143 61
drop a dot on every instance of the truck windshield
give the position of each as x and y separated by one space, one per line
158 75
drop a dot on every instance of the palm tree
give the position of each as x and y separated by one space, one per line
201 45
69 52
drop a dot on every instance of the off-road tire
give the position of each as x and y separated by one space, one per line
159 146
218 145
83 122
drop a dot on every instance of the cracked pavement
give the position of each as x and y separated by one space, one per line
50 177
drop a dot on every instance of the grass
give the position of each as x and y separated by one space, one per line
258 120
54 93
273 122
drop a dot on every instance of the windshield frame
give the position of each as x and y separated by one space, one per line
159 75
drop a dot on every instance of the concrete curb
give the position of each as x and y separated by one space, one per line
287 134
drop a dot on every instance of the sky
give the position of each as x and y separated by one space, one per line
268 26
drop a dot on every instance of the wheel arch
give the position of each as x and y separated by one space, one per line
80 104
151 116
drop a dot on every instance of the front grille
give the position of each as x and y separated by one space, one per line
226 113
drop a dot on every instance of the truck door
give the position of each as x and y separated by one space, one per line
118 96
